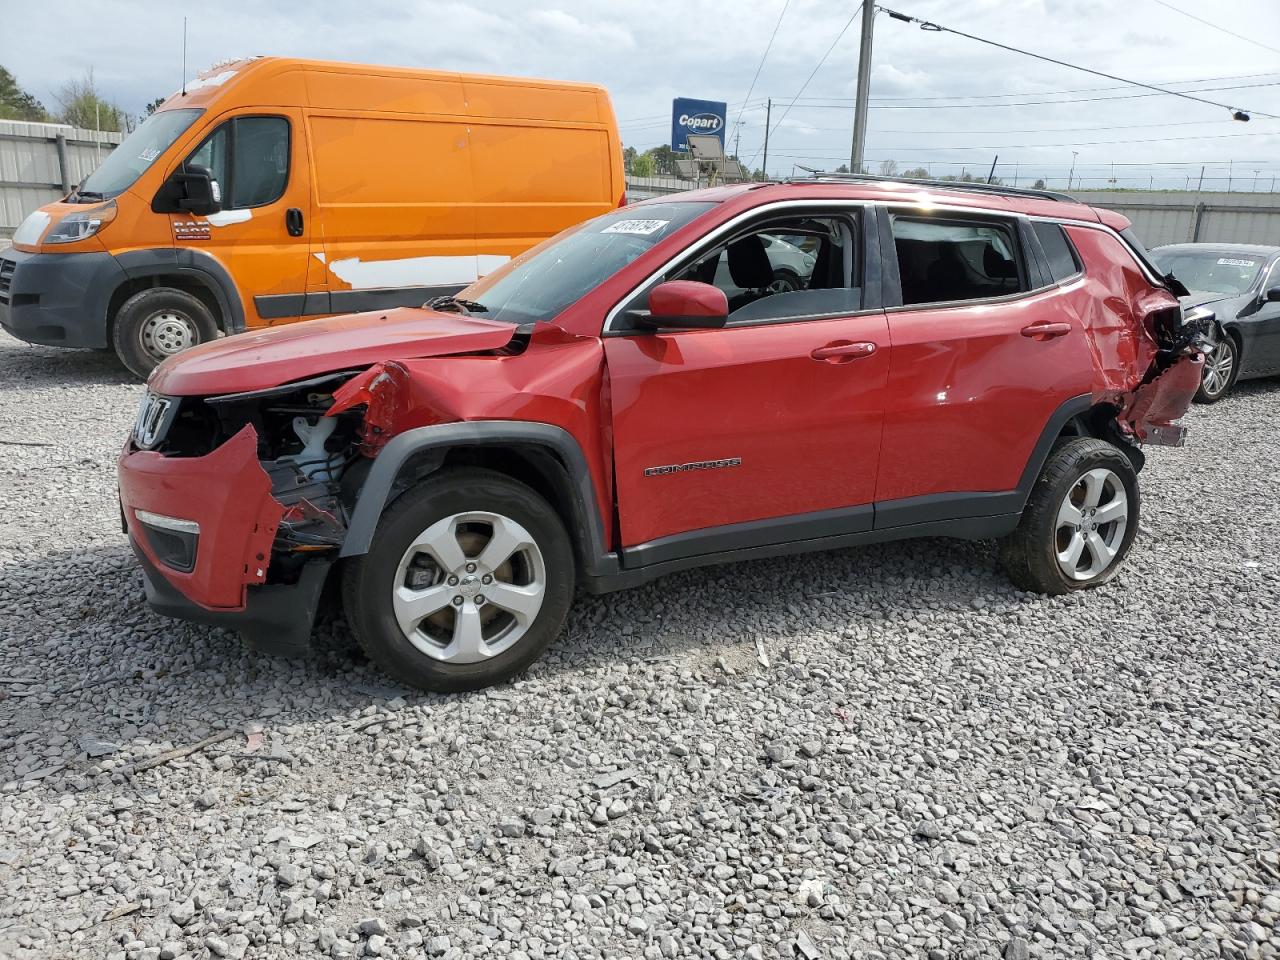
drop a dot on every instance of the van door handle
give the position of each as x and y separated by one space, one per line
1046 330
293 221
842 351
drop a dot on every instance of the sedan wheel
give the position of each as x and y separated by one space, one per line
1219 370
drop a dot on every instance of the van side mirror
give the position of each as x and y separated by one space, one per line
684 305
1272 295
189 189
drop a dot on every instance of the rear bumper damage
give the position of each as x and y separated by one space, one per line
1174 356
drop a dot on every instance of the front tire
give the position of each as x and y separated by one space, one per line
469 578
1221 364
1079 522
155 324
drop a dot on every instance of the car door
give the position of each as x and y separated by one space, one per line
763 431
1266 321
261 235
981 362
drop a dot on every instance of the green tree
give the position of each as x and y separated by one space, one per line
843 168
1039 184
16 103
643 165
664 160
916 173
888 168
83 106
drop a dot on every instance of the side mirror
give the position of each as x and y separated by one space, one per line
1272 295
685 305
189 190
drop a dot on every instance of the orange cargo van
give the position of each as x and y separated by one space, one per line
273 190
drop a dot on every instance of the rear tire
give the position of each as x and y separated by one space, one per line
435 605
1221 366
1079 522
158 323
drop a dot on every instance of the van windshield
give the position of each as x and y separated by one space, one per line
541 282
127 162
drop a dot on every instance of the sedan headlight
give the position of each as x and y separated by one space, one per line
82 224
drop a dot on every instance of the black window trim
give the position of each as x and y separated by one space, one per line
228 188
1047 267
862 211
976 217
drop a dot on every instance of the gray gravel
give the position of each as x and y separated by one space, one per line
885 752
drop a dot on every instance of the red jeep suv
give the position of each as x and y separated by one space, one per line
718 375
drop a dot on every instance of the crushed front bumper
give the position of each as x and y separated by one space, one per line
203 529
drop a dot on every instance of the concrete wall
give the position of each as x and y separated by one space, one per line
1183 217
1158 217
39 162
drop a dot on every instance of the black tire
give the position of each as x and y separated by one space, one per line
1030 553
368 580
134 327
785 281
1212 390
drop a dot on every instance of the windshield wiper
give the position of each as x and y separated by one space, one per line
78 196
455 305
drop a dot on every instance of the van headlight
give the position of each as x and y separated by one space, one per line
82 224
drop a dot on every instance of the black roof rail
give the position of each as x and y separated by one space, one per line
974 187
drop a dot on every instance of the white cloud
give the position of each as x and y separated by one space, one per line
647 54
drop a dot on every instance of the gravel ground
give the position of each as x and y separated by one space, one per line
885 752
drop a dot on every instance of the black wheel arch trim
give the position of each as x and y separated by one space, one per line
375 492
963 514
197 265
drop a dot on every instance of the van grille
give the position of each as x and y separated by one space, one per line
6 277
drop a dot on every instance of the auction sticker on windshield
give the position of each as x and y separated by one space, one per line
641 228
1228 261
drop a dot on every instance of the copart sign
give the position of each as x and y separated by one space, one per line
697 117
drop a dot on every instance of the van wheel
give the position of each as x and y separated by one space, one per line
469 577
156 324
1079 521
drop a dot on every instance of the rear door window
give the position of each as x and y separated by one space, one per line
1063 260
942 260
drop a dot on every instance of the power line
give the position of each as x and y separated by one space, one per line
1080 143
760 66
1221 29
817 67
937 28
1038 93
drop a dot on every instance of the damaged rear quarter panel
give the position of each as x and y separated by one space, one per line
1148 391
228 494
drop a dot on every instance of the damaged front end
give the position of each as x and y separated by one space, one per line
238 504
1178 340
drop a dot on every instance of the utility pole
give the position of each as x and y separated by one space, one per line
1071 175
1200 182
864 87
1231 164
768 112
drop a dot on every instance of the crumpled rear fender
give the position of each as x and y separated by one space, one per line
228 494
1160 374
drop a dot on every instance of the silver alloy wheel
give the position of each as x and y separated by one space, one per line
469 587
166 332
1219 364
1091 525
782 285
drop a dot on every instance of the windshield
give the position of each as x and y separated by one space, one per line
1211 271
540 283
139 150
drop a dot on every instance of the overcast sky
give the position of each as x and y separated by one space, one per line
938 100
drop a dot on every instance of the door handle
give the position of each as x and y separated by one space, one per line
843 351
293 221
1046 330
